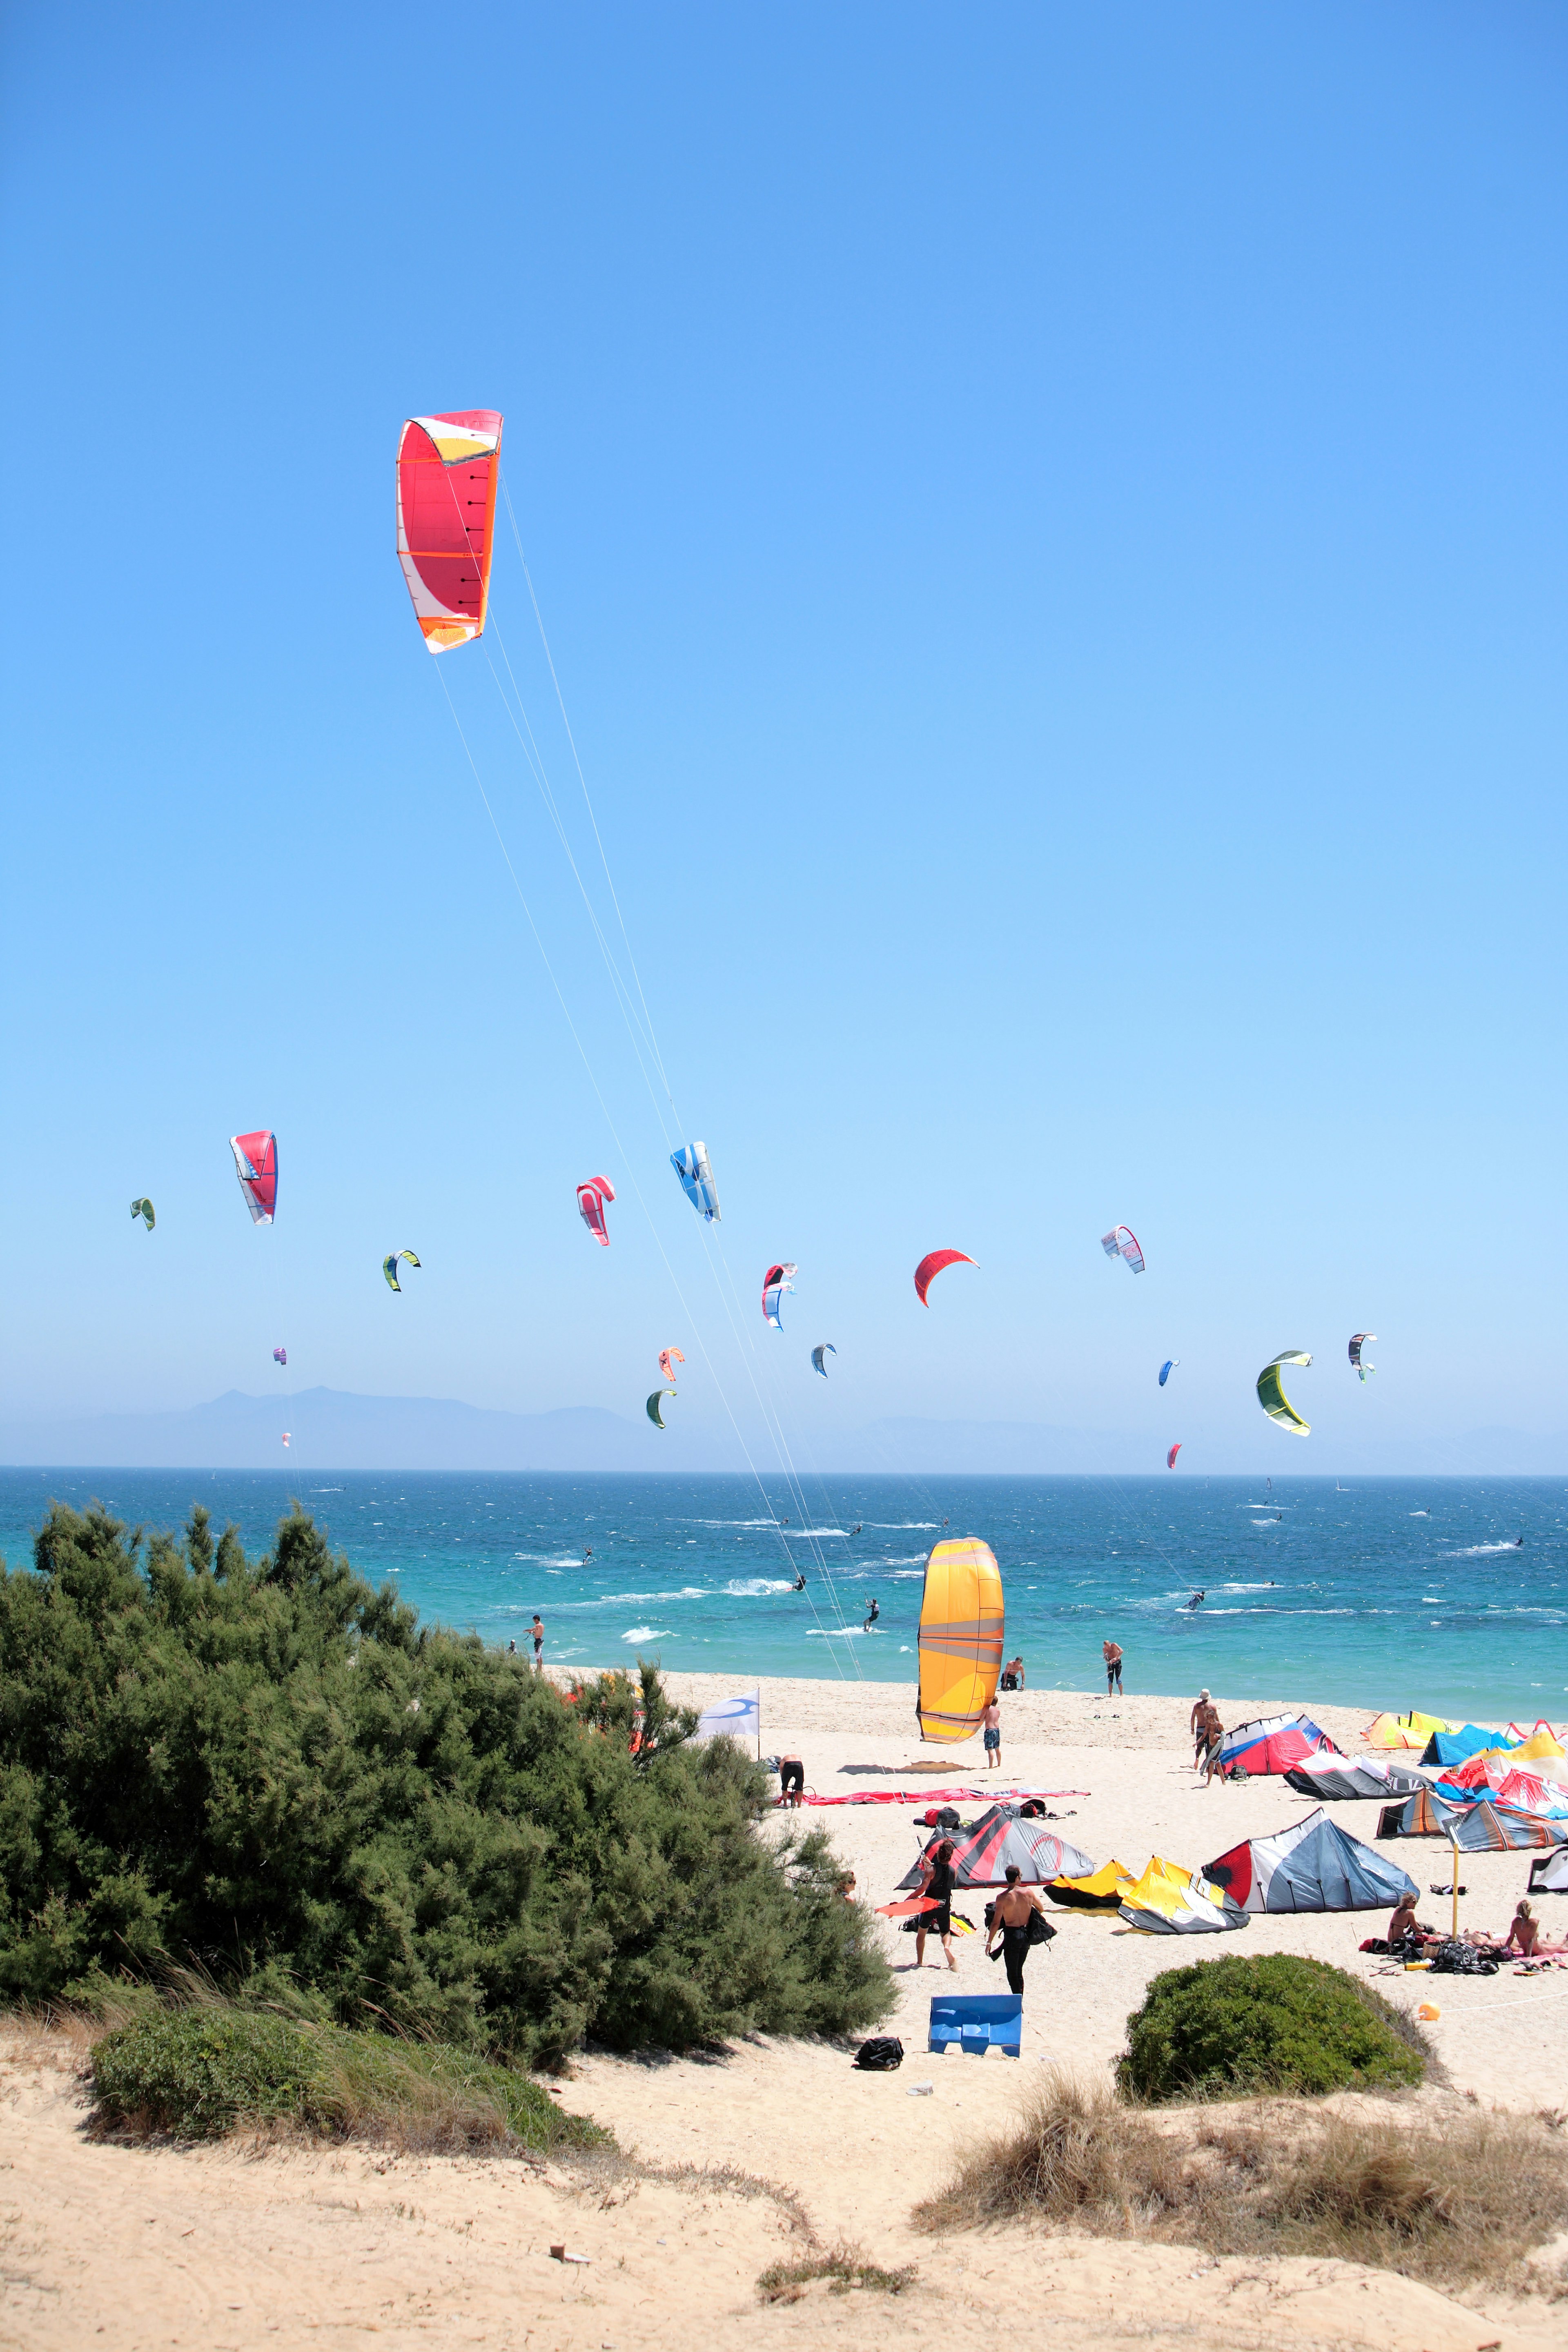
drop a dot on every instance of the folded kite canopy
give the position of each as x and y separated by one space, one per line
1313 1865
1170 1901
981 1856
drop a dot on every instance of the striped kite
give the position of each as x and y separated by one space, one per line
1122 1241
255 1165
590 1199
448 469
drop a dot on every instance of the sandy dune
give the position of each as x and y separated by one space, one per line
244 2246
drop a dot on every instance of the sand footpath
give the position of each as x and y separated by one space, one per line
755 2154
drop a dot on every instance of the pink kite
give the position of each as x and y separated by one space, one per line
448 468
590 1199
932 1265
1171 1457
668 1359
255 1165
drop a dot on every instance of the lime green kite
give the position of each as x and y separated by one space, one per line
1273 1399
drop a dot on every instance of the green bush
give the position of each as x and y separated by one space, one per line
197 2072
1264 2022
271 1773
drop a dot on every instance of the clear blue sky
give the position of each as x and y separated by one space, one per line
1051 529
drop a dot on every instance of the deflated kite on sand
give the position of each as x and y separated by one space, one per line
1104 1889
1312 1865
1411 1730
1170 1901
982 1855
1331 1777
1275 1743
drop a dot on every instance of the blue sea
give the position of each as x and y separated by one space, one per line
1393 1592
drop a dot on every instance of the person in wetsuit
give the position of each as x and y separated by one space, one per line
936 1880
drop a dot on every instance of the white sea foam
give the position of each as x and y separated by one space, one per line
1478 1551
832 1633
752 1588
645 1634
736 1523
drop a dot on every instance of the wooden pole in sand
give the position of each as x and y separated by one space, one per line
1453 1842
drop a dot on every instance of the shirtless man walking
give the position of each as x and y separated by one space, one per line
1010 1920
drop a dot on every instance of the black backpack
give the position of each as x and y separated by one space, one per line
881 2055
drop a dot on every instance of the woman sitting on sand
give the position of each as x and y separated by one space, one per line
1406 1931
1524 1932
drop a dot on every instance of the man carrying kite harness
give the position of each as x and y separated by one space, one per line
1013 1918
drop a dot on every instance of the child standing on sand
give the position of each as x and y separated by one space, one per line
990 1722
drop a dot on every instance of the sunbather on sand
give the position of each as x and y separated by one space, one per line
1525 1931
1405 1928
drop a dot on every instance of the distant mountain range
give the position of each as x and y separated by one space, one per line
330 1428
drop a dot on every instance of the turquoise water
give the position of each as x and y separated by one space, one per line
1395 1592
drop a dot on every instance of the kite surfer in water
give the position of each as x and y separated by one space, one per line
871 1615
1196 1600
800 1583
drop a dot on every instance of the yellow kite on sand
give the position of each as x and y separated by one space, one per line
1542 1748
1170 1901
1402 1730
961 1637
1104 1889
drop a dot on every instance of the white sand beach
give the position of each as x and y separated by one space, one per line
767 2146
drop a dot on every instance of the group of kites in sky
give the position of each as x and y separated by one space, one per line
447 472
255 1165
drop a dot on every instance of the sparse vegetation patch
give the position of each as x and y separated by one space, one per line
1455 2201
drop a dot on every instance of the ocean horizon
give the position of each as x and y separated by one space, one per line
1383 1592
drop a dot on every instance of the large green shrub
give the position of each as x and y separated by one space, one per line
272 1772
1267 2021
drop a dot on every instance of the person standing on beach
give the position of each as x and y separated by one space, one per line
936 1880
1010 1920
1200 1705
1210 1735
990 1722
791 1781
537 1629
1112 1667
